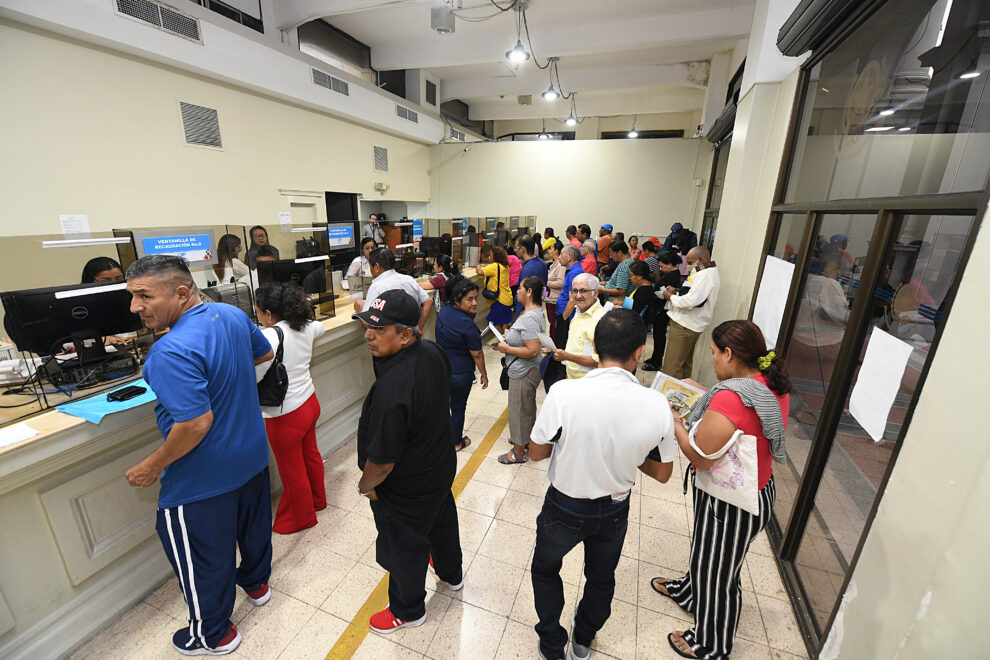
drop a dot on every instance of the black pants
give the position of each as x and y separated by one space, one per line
563 325
660 324
403 549
562 524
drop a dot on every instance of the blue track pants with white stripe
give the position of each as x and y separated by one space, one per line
199 540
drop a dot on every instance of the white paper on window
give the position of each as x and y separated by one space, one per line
878 382
772 297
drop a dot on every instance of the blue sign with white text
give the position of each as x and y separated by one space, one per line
340 236
193 247
417 230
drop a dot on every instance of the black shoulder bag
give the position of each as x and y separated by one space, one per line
488 293
275 383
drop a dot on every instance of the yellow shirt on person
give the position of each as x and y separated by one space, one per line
581 337
494 283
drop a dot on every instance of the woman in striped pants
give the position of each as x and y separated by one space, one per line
722 533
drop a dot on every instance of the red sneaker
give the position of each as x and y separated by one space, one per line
433 569
259 596
185 644
385 622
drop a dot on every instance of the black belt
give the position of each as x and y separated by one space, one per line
597 500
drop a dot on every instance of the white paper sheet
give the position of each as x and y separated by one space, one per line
879 379
494 331
772 298
285 221
546 342
75 225
16 433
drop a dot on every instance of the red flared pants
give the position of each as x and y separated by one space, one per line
293 440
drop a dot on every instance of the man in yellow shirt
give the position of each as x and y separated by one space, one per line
579 353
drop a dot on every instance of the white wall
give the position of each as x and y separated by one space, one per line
640 186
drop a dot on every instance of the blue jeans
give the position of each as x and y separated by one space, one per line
460 388
563 523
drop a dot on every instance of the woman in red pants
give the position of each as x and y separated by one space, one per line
292 426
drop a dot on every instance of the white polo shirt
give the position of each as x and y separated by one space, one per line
594 455
389 280
684 310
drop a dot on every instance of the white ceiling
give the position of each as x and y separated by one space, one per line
621 56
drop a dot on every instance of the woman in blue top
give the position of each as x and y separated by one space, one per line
457 333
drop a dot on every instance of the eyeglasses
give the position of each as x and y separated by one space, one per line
583 292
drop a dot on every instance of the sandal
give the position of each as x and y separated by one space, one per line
677 650
662 583
463 444
511 458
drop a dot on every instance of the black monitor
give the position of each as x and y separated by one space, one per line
41 320
310 275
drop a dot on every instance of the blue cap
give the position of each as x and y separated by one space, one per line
838 238
607 227
676 226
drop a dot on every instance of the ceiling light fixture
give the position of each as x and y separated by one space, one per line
551 94
543 131
633 133
886 113
904 128
879 129
969 74
518 53
572 119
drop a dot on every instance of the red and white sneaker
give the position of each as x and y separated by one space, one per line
259 596
433 569
452 587
185 644
385 622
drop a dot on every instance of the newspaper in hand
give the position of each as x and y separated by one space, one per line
546 342
680 395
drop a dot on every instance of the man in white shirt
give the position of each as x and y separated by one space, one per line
593 463
689 313
382 263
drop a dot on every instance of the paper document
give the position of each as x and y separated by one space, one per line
15 433
878 382
494 331
680 395
546 342
285 221
75 225
772 298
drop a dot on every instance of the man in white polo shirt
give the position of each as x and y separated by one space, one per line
592 469
382 264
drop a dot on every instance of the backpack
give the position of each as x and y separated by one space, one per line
273 386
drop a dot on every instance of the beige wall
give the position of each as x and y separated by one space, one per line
638 186
86 130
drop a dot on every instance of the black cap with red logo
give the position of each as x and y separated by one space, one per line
391 307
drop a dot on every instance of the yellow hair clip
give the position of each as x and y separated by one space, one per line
764 362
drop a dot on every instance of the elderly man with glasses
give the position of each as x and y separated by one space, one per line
579 353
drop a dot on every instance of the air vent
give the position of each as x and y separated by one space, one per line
162 17
201 125
407 114
456 135
331 83
381 159
431 93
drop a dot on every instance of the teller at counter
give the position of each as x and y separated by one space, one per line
360 267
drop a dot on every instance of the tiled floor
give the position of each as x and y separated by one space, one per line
321 577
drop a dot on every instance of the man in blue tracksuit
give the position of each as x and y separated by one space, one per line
215 490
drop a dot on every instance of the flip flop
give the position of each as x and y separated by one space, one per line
465 443
510 458
670 640
663 582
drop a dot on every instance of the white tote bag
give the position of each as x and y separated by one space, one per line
734 476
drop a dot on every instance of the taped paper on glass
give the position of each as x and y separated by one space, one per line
879 380
772 298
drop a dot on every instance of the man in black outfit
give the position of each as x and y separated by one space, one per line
406 453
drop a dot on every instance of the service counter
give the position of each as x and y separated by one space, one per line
78 543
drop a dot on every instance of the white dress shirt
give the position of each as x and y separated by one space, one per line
389 280
684 309
594 456
359 266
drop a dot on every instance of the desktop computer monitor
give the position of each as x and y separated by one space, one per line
310 275
41 320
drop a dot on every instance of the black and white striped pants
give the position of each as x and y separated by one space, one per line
711 588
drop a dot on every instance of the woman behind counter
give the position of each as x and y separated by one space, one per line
751 379
228 265
496 274
360 265
102 270
259 237
292 426
522 356
458 334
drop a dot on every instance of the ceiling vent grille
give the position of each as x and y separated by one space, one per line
406 113
331 83
431 93
381 159
201 125
456 135
162 17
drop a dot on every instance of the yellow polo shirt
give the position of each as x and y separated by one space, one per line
581 337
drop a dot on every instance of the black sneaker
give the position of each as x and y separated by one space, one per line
185 644
650 367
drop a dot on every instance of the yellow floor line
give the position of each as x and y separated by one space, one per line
357 630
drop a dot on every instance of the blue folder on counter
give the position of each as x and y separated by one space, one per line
97 407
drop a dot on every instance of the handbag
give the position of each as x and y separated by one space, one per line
488 293
275 383
503 378
734 476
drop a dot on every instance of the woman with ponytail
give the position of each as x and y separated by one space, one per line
291 427
445 278
737 427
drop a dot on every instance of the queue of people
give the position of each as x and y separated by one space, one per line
412 422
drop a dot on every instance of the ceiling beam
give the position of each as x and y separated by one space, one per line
293 13
634 103
474 46
534 81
